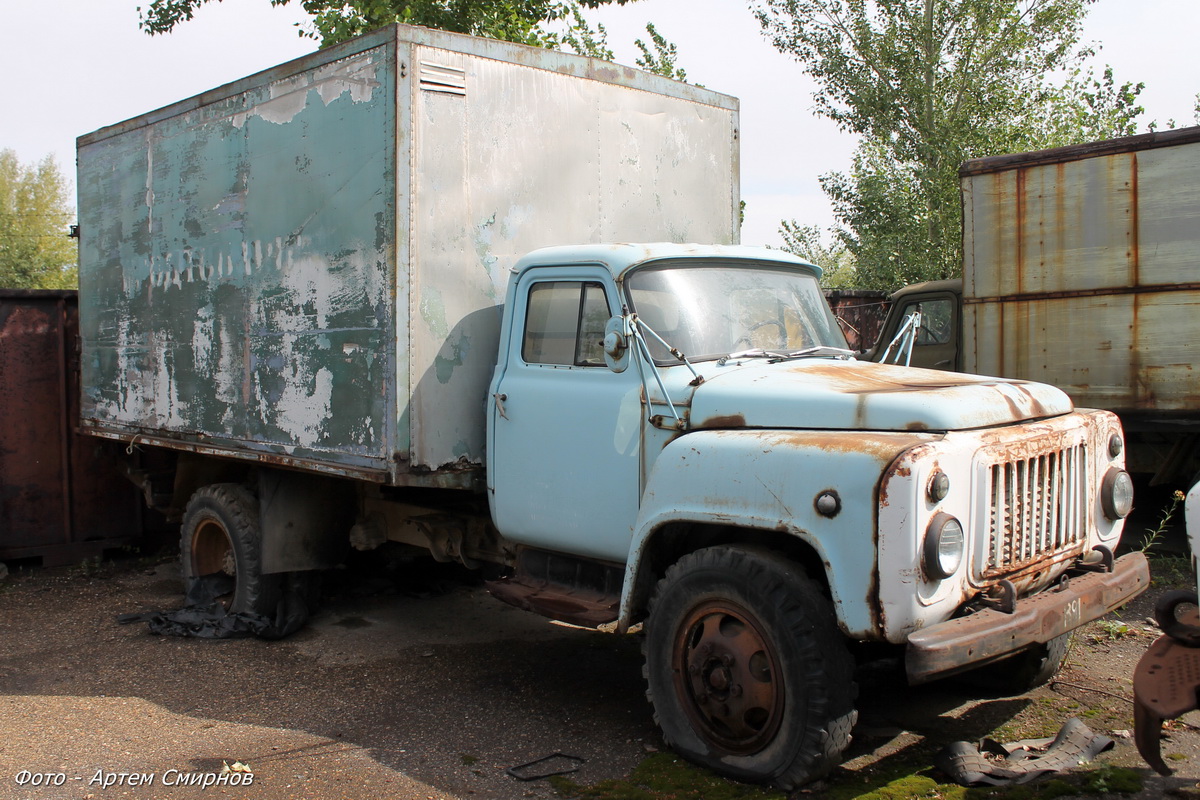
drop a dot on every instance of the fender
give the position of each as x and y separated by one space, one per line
770 480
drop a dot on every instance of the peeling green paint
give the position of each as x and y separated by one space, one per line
281 265
234 277
433 311
444 365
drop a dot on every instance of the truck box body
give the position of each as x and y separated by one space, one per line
1082 269
306 267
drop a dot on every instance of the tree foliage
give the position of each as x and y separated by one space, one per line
557 24
659 56
35 212
928 84
838 270
334 21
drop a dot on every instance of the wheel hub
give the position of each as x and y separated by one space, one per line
212 551
728 678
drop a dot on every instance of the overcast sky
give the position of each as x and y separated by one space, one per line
72 66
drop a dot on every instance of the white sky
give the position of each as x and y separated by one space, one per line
72 66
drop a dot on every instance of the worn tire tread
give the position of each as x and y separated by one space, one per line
236 507
809 615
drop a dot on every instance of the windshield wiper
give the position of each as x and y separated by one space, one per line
754 352
819 350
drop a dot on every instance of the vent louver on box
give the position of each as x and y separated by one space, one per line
443 78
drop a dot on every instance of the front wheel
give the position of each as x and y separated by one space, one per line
1022 671
747 670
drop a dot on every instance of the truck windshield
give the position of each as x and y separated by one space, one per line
712 310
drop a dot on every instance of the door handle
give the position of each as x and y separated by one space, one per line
500 398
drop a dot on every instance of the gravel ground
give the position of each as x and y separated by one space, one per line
428 693
389 695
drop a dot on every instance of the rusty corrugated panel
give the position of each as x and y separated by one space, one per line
1076 152
60 500
1084 272
860 313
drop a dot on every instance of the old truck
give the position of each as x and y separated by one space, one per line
1080 269
373 296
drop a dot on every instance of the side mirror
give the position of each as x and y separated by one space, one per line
616 344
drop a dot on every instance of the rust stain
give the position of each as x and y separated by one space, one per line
882 447
1033 574
900 467
1035 405
1148 288
1022 173
1057 252
860 411
62 496
868 379
724 421
1036 439
1137 379
1134 223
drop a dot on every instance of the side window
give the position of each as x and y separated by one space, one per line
564 324
937 320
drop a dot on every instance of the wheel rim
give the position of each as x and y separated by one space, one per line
727 677
212 551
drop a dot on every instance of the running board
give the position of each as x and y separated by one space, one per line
578 591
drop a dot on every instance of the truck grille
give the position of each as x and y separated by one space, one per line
1038 507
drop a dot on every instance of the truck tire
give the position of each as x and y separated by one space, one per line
746 668
220 533
1023 671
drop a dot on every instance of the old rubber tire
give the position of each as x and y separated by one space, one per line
1023 671
747 670
221 533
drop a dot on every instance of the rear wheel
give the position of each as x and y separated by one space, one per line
747 670
220 535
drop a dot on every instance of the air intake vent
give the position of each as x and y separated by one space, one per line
443 78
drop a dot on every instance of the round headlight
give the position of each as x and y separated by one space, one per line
1116 494
944 545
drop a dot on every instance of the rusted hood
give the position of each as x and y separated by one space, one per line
855 395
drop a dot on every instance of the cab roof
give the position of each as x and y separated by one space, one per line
619 258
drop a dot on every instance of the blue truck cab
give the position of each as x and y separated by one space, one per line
678 437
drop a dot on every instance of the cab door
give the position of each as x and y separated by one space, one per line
937 341
936 346
564 430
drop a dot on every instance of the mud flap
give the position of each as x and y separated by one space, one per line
995 764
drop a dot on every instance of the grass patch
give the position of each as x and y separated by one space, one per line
1171 572
664 776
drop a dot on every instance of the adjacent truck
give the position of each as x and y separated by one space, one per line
1081 268
365 298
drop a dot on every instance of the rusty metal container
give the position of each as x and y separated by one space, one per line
61 499
304 268
1082 269
860 313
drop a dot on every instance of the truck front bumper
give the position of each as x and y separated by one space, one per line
959 644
